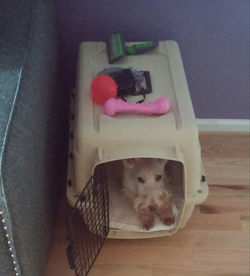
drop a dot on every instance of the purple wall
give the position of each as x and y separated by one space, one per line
213 36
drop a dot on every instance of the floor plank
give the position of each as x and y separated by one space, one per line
224 145
215 241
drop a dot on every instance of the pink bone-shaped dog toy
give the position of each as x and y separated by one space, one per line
159 107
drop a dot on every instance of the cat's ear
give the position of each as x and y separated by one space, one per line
129 163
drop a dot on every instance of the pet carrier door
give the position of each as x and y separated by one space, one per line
88 224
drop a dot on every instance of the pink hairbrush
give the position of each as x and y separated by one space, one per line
158 107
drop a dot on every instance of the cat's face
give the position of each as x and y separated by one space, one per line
147 174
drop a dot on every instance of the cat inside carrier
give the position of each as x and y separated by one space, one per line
131 176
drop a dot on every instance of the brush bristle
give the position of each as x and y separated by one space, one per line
115 47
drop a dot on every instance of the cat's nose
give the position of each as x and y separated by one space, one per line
152 207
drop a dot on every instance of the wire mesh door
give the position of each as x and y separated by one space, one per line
88 224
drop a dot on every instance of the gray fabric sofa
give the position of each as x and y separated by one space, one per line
33 134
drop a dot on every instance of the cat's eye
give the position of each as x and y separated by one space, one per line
158 177
140 179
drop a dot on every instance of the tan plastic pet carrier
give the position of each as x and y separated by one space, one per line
97 141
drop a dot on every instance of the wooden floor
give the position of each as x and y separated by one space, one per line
214 242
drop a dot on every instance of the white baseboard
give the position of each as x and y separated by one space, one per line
226 125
